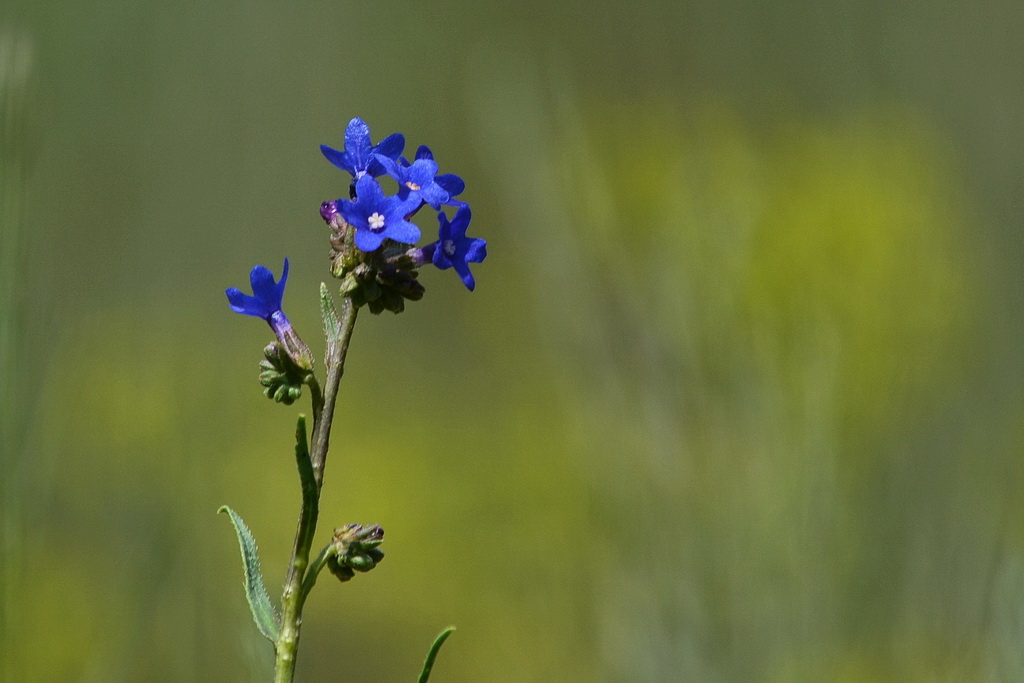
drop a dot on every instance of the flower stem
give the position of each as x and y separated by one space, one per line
294 594
314 569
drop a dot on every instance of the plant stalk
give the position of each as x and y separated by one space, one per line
294 594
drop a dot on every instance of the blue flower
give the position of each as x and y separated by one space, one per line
358 157
449 182
420 177
268 294
266 303
376 217
453 249
416 180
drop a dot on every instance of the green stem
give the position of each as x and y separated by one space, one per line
314 569
294 594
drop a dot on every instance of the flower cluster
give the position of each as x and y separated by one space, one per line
373 245
373 238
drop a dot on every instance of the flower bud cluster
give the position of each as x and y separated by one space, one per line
280 378
355 550
382 279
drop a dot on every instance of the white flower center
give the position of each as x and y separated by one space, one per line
376 221
448 247
412 186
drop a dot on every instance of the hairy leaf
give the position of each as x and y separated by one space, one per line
332 325
263 611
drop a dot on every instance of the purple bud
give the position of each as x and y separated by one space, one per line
328 210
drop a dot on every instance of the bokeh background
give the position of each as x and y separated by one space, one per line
738 396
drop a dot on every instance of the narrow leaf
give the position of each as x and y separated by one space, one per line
332 324
307 478
263 612
432 655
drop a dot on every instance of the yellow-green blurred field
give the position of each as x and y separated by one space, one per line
738 396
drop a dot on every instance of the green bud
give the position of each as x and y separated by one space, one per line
342 572
361 563
371 290
279 376
349 284
392 301
380 280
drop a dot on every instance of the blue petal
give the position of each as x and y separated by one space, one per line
391 146
368 241
451 183
284 278
392 167
262 281
406 206
476 252
353 214
444 229
460 223
422 171
368 191
434 195
423 152
357 136
467 277
403 231
440 258
339 159
245 304
264 287
358 145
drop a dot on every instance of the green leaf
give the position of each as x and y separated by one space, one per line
263 612
432 655
332 324
310 491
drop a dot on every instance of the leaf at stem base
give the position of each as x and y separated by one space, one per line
263 611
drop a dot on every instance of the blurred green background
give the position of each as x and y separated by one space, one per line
738 396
